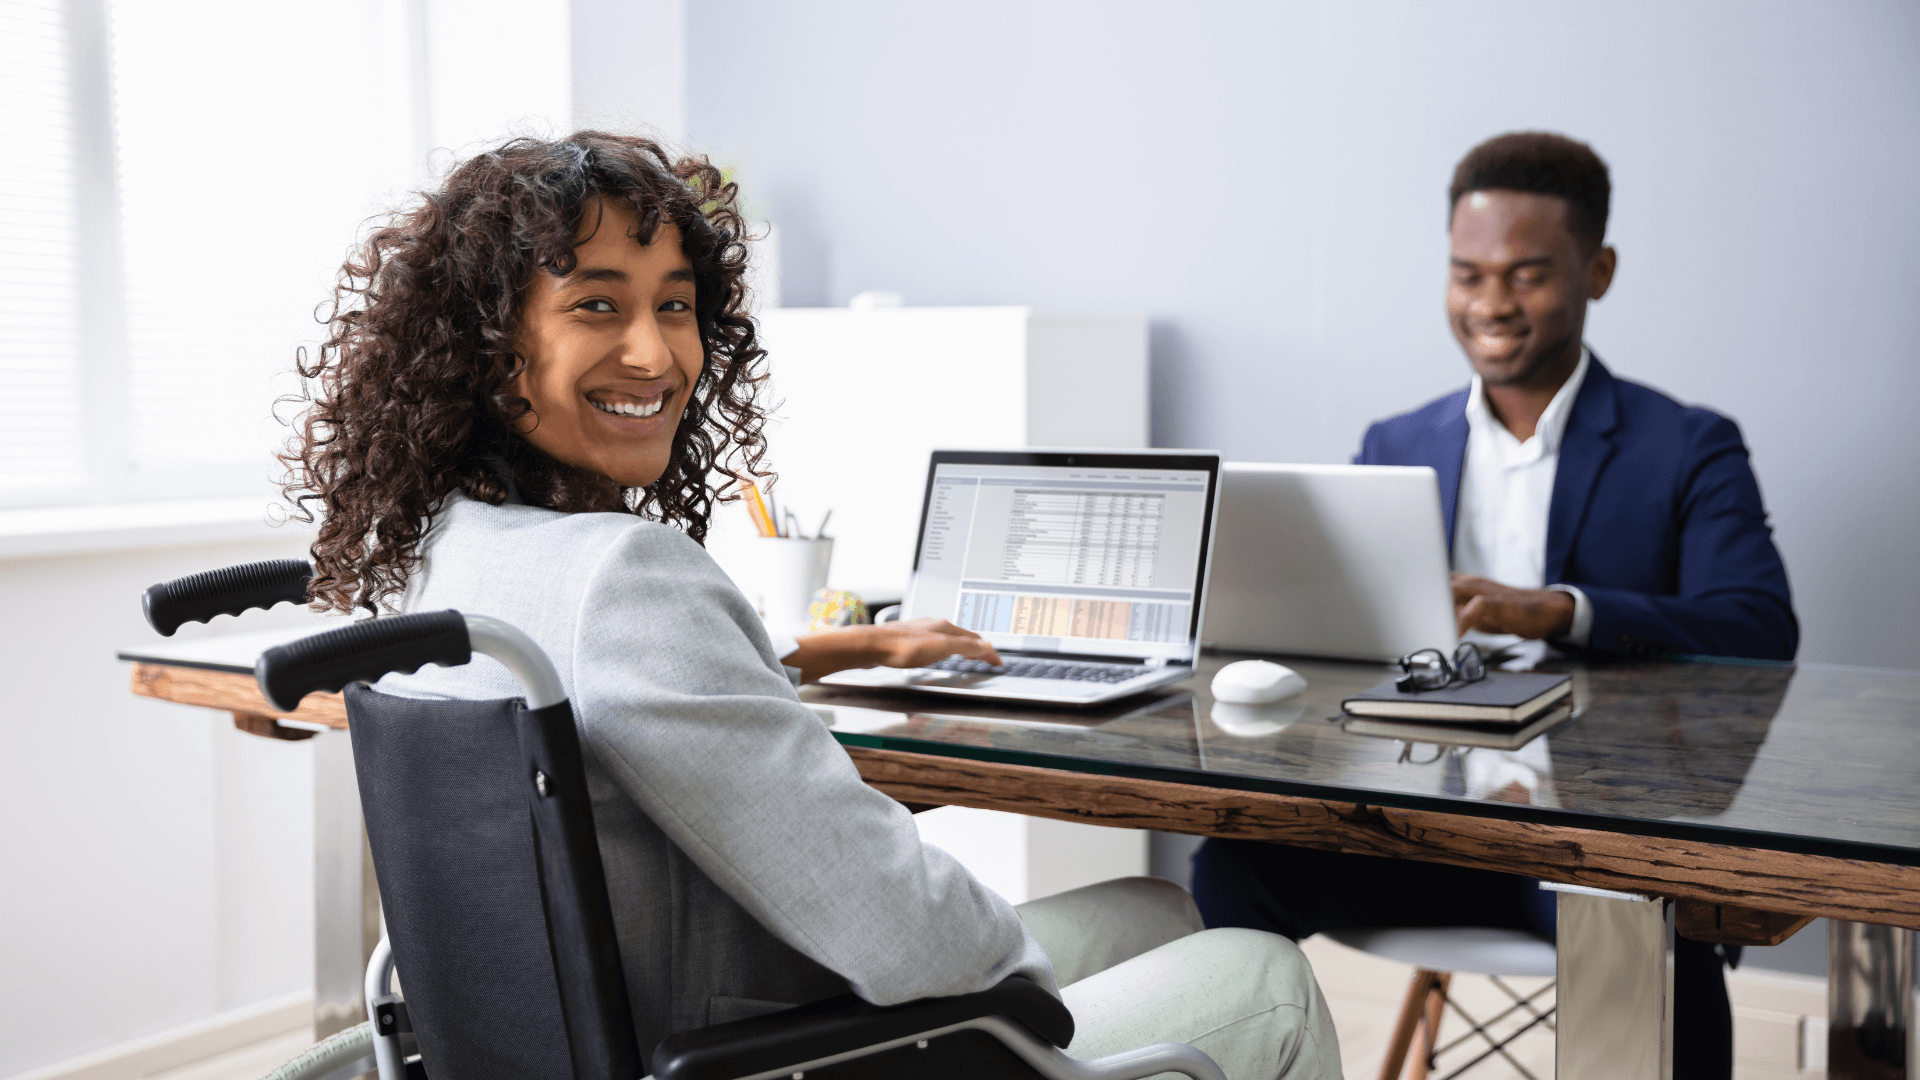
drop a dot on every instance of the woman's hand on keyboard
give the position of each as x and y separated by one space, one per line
912 644
927 641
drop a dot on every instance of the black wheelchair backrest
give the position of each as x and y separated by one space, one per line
488 862
491 879
482 834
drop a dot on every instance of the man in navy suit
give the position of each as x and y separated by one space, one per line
1655 539
1581 509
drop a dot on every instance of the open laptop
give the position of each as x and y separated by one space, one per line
1342 561
1086 570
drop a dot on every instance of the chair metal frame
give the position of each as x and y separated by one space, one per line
1417 1030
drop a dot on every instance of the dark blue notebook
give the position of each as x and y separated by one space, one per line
1503 697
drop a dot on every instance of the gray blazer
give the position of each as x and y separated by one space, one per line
750 867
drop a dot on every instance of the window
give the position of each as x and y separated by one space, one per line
179 183
41 425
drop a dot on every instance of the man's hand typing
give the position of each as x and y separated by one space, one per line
1493 608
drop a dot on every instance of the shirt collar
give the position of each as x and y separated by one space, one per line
1553 422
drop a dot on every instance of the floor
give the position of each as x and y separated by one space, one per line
250 1062
1774 1013
1364 994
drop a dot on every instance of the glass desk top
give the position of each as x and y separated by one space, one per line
1811 758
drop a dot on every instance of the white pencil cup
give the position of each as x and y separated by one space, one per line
787 572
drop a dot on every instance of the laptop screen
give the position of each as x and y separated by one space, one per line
1104 556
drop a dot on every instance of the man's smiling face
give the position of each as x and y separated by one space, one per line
1519 285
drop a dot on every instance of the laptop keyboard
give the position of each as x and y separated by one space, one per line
1045 669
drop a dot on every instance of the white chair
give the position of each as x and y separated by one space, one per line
1437 953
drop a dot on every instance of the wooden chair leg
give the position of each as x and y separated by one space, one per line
1411 1012
1435 1007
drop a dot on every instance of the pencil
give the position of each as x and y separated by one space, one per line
757 510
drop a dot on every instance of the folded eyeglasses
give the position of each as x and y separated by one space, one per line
1430 669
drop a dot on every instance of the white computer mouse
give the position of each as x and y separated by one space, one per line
1256 721
1256 682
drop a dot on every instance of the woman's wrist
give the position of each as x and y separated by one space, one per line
823 653
903 645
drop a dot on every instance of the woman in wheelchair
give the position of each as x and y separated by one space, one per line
536 384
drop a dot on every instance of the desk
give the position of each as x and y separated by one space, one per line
1746 798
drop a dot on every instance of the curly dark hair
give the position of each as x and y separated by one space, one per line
411 396
1542 163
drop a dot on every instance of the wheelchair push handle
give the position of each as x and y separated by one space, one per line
227 591
362 652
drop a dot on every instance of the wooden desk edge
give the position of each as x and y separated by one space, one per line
1759 895
1736 894
232 692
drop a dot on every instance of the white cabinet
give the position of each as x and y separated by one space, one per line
864 396
1027 858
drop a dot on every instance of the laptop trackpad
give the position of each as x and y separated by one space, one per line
962 679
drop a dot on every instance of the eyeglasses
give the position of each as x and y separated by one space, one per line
1429 669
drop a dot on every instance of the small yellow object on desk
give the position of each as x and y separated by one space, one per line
835 607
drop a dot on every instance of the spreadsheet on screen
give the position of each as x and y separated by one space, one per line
1064 558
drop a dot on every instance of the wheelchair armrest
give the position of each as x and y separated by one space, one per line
846 1023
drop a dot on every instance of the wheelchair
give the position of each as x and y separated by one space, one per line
496 905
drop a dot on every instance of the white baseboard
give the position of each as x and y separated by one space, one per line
184 1044
1779 1024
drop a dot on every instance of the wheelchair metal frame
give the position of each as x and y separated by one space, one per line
356 654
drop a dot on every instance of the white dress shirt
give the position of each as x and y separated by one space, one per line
1506 490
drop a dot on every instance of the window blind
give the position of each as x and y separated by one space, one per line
251 147
41 423
179 184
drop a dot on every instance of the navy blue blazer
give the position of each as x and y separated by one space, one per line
1655 515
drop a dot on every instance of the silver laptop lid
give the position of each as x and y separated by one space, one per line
1097 554
1346 561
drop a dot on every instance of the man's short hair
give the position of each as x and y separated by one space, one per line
1544 164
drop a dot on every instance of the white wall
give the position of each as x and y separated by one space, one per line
158 863
1267 181
490 69
630 66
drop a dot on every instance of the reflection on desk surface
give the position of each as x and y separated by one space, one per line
1815 758
1812 758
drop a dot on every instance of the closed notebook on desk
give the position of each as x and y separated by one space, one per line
1488 736
1500 698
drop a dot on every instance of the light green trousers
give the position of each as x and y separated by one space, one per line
1137 967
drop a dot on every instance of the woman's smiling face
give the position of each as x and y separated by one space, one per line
612 350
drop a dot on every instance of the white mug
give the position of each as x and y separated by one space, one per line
789 571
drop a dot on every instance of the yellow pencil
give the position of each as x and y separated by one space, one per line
757 510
